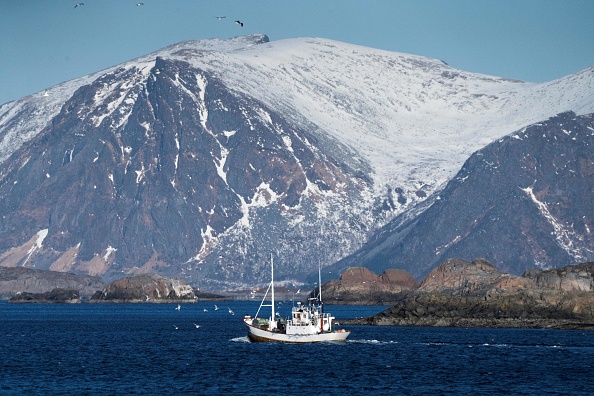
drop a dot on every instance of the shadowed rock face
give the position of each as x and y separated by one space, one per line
145 288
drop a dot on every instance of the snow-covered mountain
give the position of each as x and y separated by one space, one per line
199 159
524 202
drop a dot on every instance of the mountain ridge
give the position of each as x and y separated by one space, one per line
521 202
302 146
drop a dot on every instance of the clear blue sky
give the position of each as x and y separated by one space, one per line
45 42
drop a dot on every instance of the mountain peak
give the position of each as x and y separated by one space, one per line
214 44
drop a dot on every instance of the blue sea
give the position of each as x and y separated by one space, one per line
153 349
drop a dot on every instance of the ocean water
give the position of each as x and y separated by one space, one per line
153 349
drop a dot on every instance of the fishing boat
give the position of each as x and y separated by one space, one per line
307 323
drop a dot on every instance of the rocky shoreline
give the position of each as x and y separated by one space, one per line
519 310
459 293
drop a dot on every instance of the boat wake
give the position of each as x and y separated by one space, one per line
240 339
372 342
494 345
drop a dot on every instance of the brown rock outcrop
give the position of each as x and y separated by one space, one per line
460 277
146 288
359 285
399 277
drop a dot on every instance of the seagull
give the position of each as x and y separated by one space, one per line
221 18
139 4
178 307
205 310
175 327
45 93
239 23
197 325
230 311
216 308
79 4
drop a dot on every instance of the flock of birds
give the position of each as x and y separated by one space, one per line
219 18
216 308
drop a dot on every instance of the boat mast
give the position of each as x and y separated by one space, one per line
273 317
320 298
320 282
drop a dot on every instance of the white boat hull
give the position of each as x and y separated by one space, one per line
259 335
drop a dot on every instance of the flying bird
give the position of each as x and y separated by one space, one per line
175 327
139 4
221 18
230 311
197 325
178 307
239 23
216 308
79 4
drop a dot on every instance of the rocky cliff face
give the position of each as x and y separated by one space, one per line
27 280
145 288
571 278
